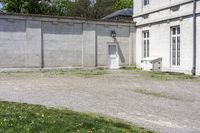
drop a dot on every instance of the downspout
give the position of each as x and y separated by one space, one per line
194 38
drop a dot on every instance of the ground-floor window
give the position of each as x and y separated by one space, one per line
175 46
146 44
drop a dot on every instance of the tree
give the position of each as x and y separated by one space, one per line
27 6
103 8
121 4
78 8
83 8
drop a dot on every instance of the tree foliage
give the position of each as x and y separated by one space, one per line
28 6
120 4
79 8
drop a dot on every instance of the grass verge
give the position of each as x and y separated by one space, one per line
25 118
155 94
160 75
57 73
168 76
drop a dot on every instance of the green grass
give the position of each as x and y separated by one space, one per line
155 94
25 118
129 68
161 75
168 76
57 73
78 72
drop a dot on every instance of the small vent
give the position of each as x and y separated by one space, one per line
175 8
145 16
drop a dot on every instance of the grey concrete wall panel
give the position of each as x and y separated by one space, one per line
33 44
89 45
62 44
104 37
12 43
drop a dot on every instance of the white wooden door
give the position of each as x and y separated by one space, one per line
113 57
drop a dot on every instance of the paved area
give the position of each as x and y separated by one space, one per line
168 107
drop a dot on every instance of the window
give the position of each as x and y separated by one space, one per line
175 46
146 44
112 49
146 2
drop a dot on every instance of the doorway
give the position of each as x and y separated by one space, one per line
113 56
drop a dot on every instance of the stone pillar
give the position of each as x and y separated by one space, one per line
132 52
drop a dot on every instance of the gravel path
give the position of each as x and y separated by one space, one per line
168 107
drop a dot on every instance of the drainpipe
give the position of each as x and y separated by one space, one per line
194 38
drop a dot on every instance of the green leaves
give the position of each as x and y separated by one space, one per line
77 8
120 4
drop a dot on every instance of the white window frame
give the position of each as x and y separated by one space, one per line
146 2
146 43
175 46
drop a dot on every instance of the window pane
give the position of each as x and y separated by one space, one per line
174 57
174 31
173 40
178 43
112 49
146 44
147 48
175 46
144 34
178 51
174 50
146 2
178 30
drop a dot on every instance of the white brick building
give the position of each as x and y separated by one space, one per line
164 28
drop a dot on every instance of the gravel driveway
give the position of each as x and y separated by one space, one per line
165 106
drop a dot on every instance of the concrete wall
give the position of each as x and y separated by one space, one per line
62 44
33 44
12 43
103 38
49 42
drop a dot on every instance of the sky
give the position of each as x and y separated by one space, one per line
1 5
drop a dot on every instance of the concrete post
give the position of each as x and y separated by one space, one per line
132 53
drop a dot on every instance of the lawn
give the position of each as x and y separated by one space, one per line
26 118
160 75
90 73
155 94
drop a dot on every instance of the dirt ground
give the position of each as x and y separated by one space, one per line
168 106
